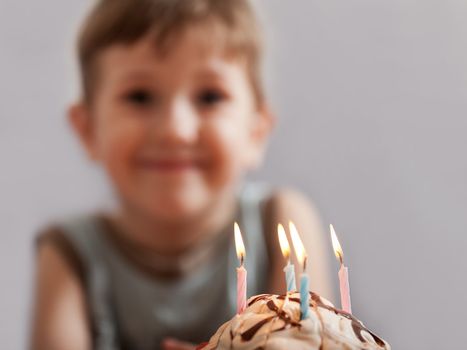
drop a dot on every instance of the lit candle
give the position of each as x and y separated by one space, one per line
289 269
302 259
241 271
343 273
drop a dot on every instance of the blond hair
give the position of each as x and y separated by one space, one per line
126 21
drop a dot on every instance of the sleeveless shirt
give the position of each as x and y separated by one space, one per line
131 310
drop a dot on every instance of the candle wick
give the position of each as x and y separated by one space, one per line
304 263
341 258
242 259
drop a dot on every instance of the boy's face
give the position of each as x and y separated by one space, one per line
174 132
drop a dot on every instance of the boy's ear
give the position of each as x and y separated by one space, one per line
264 122
80 120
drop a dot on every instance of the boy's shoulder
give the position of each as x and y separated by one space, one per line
62 229
285 201
68 237
53 237
285 204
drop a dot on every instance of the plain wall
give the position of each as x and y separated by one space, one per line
371 98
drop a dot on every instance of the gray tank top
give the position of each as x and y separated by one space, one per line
131 310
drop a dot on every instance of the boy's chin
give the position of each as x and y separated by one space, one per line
172 208
175 213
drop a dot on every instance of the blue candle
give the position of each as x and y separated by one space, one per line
289 270
304 296
304 282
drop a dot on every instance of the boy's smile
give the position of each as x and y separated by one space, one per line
174 132
168 165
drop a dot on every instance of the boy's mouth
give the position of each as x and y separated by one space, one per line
169 165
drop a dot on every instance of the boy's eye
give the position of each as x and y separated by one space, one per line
140 97
210 97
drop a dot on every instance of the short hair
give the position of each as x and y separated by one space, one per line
127 21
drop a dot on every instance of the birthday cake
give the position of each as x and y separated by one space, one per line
272 322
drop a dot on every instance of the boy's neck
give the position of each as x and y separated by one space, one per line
176 237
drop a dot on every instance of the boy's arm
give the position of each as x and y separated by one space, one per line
60 320
288 205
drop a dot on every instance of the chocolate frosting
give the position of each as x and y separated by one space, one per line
273 322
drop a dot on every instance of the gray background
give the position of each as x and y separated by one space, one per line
372 103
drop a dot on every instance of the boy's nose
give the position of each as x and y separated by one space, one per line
178 123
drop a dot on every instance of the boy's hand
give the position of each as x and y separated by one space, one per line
174 344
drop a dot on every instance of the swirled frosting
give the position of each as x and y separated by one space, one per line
272 322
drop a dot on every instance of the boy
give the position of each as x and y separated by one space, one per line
174 112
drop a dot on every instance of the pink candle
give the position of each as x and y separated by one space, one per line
345 289
343 273
241 289
241 271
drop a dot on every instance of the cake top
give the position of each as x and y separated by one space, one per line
272 322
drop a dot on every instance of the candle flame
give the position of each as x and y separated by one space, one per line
283 241
336 245
298 245
240 247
